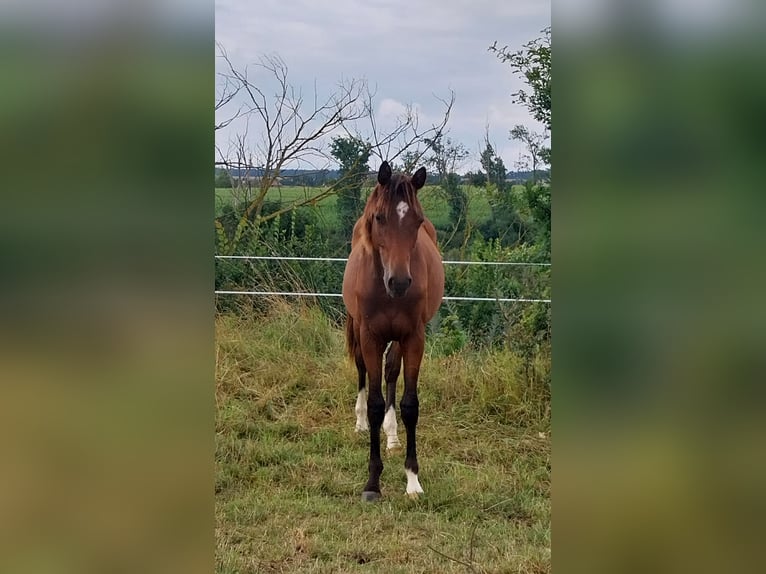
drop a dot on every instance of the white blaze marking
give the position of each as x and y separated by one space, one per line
361 411
389 427
402 209
413 484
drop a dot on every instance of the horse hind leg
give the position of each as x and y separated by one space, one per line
393 367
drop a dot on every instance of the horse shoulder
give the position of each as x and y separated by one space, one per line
430 248
430 230
350 278
356 277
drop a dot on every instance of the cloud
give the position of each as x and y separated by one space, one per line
389 110
409 52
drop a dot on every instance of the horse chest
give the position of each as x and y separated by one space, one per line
390 322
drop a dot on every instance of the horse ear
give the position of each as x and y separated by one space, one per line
384 173
419 179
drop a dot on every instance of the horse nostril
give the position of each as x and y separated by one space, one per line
398 286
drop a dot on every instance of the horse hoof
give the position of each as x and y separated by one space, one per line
390 450
413 495
370 496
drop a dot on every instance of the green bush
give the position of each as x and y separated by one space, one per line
292 234
449 336
523 327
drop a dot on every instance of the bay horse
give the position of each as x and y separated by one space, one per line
393 285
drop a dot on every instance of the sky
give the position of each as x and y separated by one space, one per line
410 52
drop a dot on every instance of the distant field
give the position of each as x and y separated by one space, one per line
286 194
434 205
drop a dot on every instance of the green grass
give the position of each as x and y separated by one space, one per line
290 468
435 207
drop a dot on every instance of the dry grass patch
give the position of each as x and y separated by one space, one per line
290 468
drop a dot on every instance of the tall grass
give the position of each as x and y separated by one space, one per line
290 468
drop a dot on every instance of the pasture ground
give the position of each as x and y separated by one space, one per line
290 468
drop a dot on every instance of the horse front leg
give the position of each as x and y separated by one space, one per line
372 351
361 398
393 367
412 351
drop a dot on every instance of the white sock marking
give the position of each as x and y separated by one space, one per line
361 411
413 484
402 209
389 427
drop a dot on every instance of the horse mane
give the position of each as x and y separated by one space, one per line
385 199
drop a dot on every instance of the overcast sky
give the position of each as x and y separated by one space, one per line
406 50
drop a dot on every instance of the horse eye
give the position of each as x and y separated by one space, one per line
380 218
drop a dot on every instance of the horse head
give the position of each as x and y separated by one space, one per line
393 217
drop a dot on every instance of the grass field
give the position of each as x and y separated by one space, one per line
433 203
290 468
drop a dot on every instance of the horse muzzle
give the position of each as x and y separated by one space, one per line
398 286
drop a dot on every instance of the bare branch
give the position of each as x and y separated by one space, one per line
227 91
410 138
292 128
468 565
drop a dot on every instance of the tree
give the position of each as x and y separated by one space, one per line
506 223
493 166
445 158
408 163
352 155
293 129
537 197
222 178
477 179
535 145
533 63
